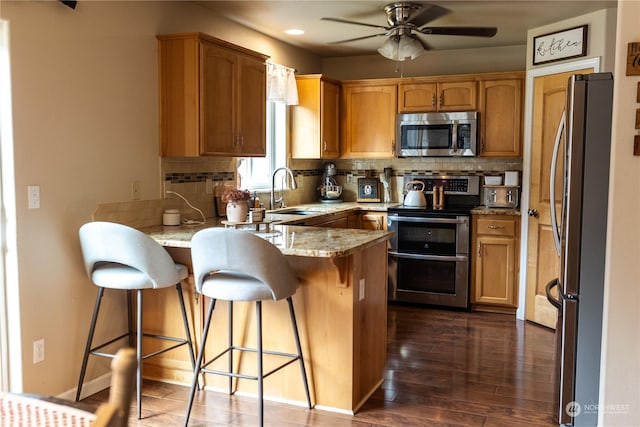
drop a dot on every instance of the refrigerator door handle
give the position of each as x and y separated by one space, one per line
552 183
557 303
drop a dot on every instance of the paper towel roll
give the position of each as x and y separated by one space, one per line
511 178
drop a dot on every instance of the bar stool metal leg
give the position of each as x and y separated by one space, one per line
187 330
230 346
196 371
87 349
139 356
260 374
294 323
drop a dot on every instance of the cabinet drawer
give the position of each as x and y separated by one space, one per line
496 227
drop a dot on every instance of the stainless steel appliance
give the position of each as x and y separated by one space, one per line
429 252
580 231
501 196
330 191
436 134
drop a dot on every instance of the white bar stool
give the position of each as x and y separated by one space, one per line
120 257
235 265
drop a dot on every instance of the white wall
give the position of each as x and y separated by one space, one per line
620 374
85 117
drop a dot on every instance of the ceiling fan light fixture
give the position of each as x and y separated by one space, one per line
389 49
408 47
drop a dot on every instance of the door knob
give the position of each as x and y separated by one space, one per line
533 213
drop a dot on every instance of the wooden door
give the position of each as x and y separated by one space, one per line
417 97
369 121
217 99
330 118
457 96
549 100
251 107
501 117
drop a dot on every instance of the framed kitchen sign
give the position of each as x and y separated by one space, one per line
570 43
368 190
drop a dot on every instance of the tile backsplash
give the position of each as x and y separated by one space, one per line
188 177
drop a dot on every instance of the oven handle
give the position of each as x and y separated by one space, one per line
399 218
455 258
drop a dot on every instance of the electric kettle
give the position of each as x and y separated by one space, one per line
415 196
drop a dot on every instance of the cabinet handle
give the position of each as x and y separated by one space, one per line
393 147
324 145
496 227
441 98
479 250
241 141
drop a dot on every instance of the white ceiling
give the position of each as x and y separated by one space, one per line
512 18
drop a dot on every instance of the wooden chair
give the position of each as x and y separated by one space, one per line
24 410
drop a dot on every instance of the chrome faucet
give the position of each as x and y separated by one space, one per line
280 200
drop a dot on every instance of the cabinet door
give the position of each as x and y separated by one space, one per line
373 221
501 118
417 97
330 119
369 121
457 96
495 275
251 109
219 70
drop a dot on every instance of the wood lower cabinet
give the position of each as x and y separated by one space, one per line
315 130
495 265
212 97
500 106
368 119
373 220
437 96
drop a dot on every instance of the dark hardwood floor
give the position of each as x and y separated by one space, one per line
444 368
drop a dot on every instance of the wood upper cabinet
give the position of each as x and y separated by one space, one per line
500 133
315 130
212 97
368 118
437 96
496 242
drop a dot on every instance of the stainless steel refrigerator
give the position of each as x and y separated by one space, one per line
579 223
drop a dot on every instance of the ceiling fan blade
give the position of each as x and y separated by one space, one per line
460 31
359 38
427 13
346 21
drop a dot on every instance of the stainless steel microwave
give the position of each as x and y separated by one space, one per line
437 134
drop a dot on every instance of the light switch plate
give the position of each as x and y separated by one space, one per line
33 192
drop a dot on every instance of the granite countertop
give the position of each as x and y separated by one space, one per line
318 242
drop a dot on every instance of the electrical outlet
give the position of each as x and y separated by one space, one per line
361 288
38 351
167 186
135 190
349 178
33 192
208 184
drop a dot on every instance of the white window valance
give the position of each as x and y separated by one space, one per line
281 84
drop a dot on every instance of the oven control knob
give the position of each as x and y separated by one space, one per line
533 213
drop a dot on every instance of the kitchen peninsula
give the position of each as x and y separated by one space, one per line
340 305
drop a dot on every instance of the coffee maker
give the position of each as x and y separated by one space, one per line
330 191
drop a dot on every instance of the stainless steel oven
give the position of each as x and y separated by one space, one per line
430 259
429 252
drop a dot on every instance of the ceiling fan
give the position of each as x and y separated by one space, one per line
405 21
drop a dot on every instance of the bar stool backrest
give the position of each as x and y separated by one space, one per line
108 242
240 252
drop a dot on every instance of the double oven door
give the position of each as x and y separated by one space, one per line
429 259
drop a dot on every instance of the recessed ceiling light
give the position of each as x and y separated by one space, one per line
294 32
